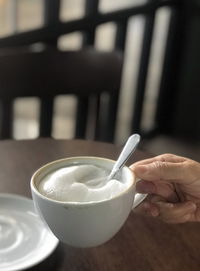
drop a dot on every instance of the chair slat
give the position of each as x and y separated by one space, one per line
81 117
6 129
46 113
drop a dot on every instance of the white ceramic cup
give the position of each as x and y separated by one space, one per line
84 224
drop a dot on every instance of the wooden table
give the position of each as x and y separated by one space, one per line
143 244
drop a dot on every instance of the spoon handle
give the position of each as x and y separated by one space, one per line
128 149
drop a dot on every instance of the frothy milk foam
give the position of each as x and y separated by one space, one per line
81 183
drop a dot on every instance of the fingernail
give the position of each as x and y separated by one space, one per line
154 212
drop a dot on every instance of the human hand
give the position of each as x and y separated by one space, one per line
173 185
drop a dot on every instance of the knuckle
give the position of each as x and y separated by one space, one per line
166 157
157 164
160 167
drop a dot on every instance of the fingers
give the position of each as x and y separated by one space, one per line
168 167
165 190
180 172
172 213
146 187
167 157
158 170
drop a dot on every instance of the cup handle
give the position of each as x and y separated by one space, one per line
138 198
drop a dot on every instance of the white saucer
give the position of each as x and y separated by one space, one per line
24 239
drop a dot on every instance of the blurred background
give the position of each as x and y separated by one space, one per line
159 87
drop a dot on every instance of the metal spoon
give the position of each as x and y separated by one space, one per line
125 154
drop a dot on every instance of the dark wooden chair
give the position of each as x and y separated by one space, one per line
88 74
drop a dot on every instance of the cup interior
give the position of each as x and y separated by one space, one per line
126 173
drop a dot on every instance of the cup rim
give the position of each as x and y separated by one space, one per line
75 203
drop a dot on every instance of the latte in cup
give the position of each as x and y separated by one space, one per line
81 183
79 206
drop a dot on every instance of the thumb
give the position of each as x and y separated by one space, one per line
164 171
